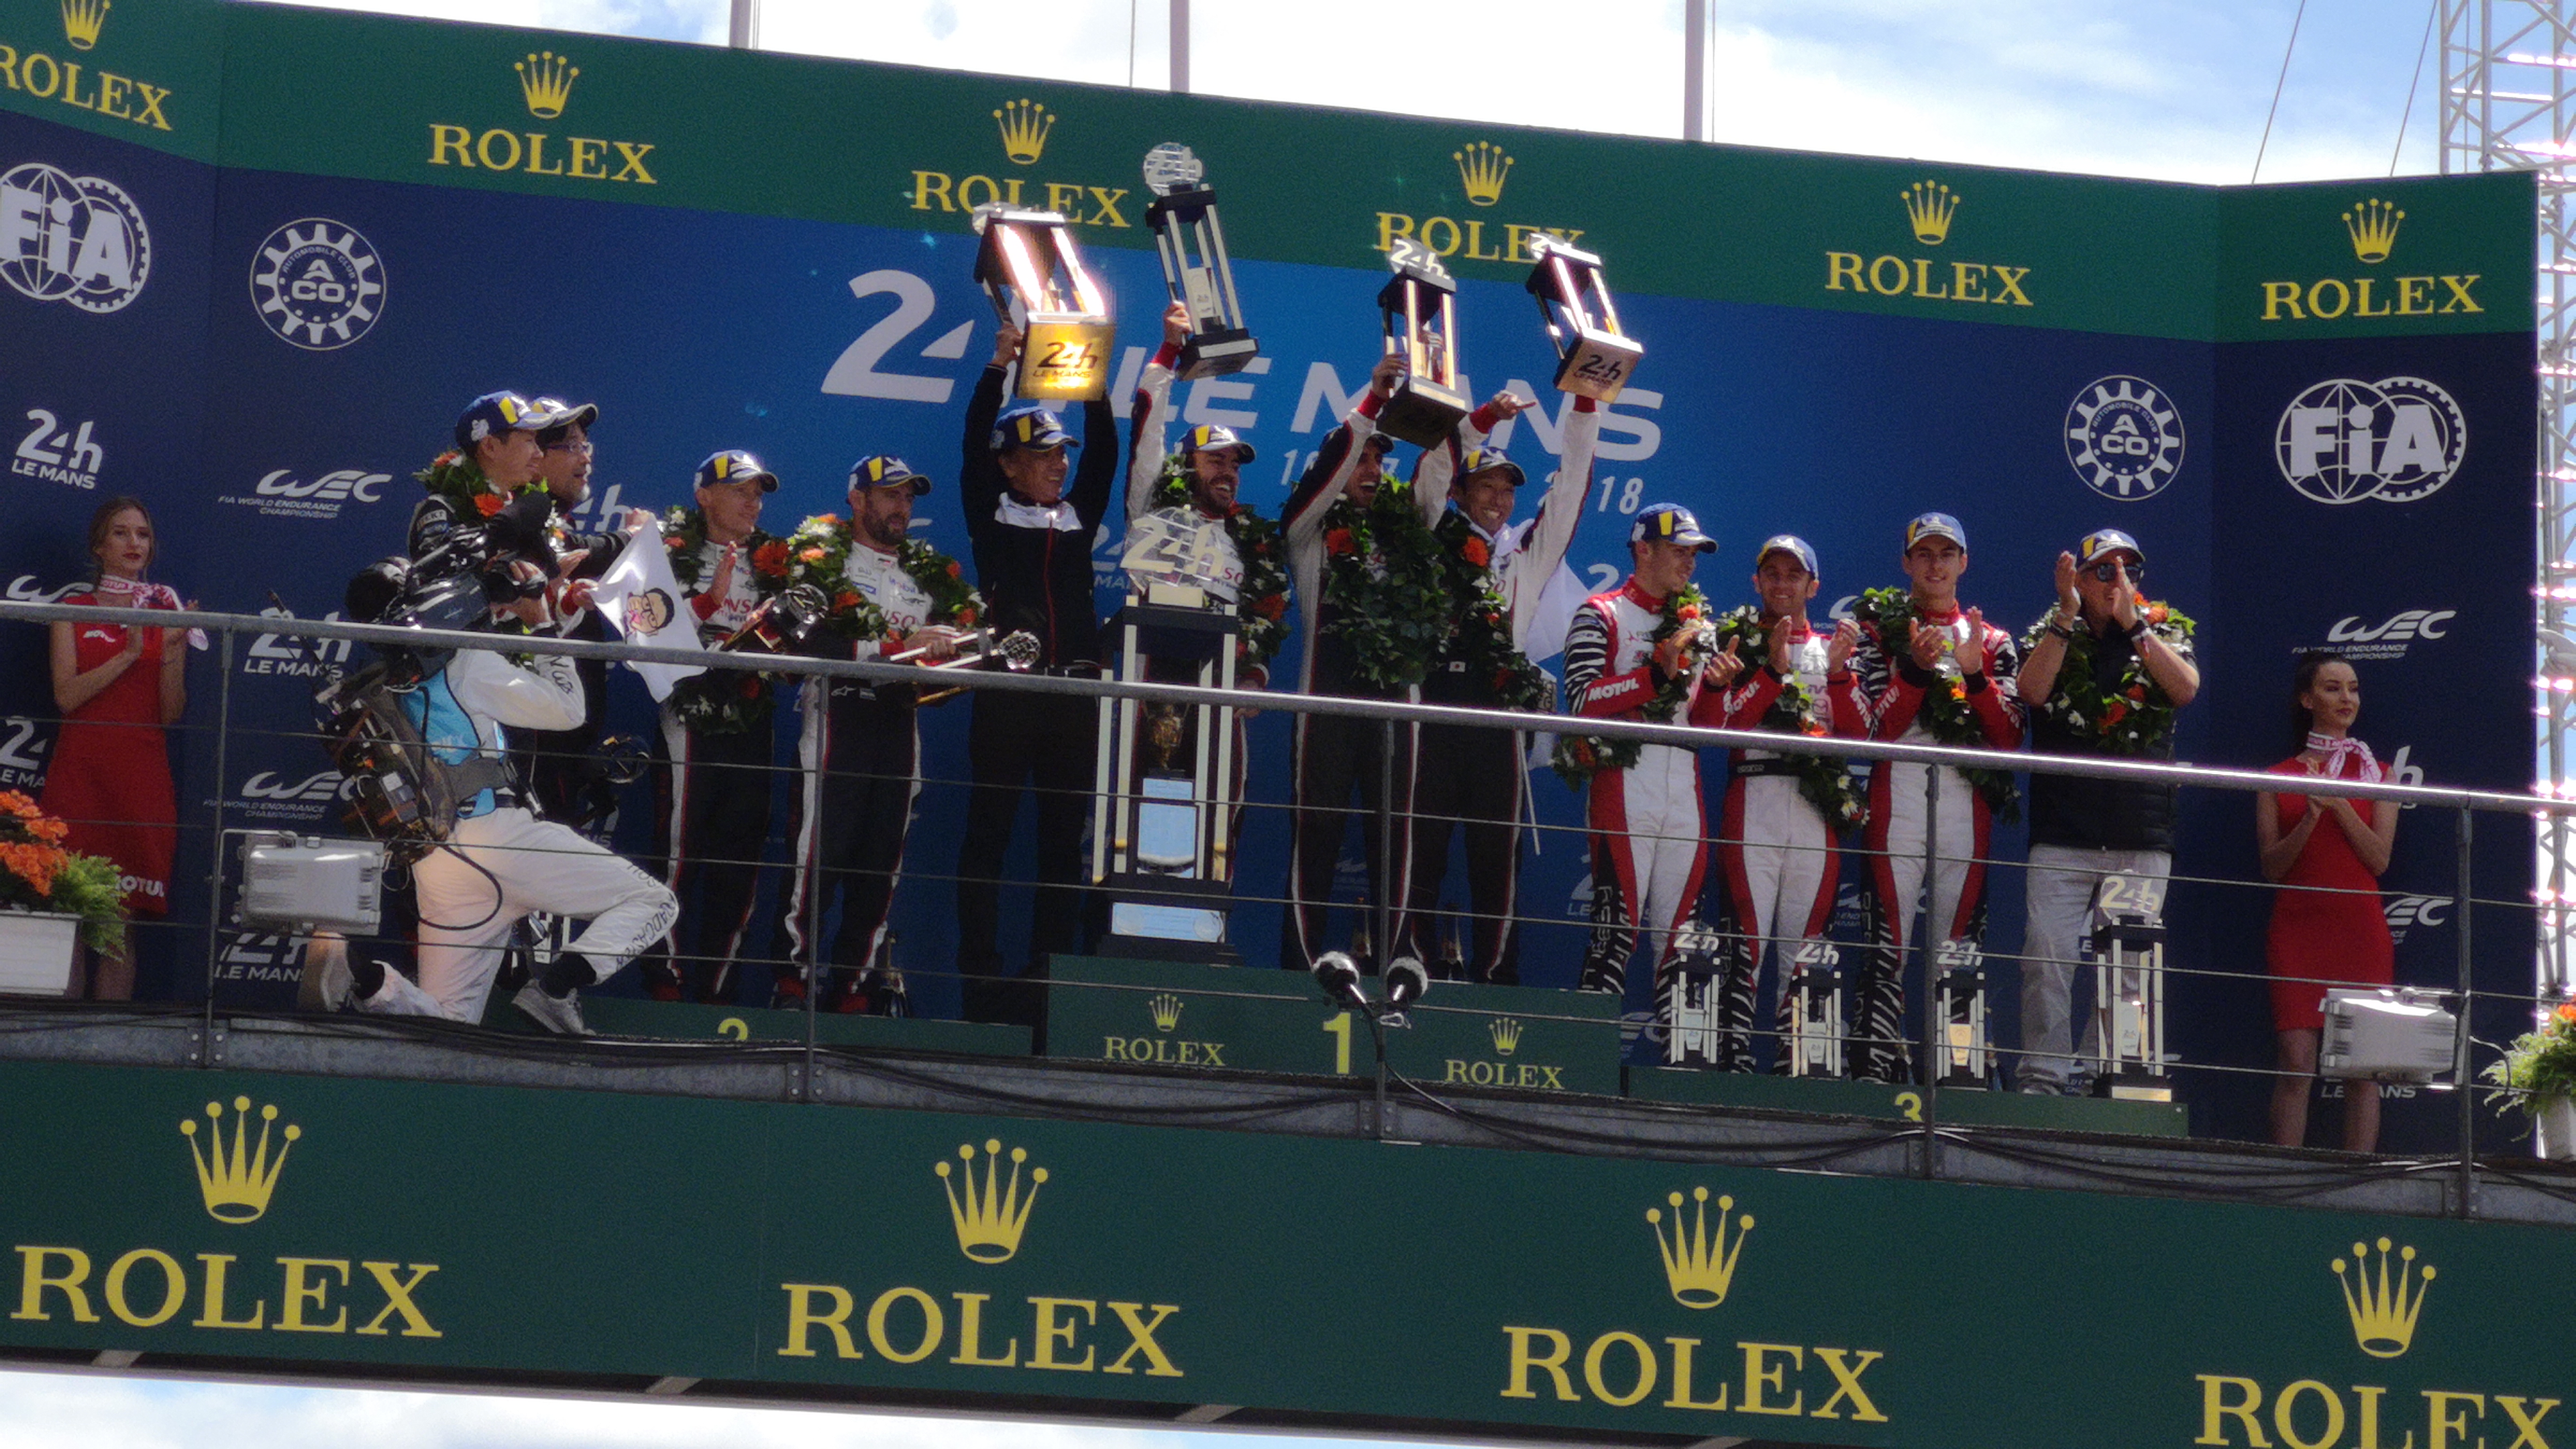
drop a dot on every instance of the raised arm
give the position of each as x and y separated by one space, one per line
1095 478
1544 544
1149 418
979 472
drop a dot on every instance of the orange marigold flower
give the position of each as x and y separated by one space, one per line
966 618
2565 1011
675 543
1476 552
813 555
953 571
771 559
2138 692
47 829
34 864
846 599
488 504
1273 606
16 802
1338 540
2118 711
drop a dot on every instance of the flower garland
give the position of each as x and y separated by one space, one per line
453 476
38 874
1480 628
1824 781
684 533
1888 614
1387 584
818 558
1263 604
723 701
2134 716
1577 758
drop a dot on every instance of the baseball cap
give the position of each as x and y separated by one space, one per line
1934 525
1212 435
1031 428
733 465
884 470
1670 523
1791 544
2107 541
495 413
1482 460
554 412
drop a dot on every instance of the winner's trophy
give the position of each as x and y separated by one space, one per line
2129 990
1183 218
1033 274
1595 358
1162 844
1420 307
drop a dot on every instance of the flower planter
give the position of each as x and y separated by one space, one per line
2553 1125
36 952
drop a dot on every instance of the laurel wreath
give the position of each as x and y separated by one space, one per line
1824 781
1577 758
1889 616
2135 715
467 488
723 701
1387 584
1263 604
1480 626
818 553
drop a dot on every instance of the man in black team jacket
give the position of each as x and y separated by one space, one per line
1033 539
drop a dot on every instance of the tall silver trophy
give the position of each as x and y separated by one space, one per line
1192 244
1594 357
1420 310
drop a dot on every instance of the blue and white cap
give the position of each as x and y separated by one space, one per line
495 413
1792 545
1487 459
1670 523
884 470
733 465
1207 437
1033 428
2105 541
1934 525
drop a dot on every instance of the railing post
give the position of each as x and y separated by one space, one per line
1388 872
2461 913
215 866
1933 1024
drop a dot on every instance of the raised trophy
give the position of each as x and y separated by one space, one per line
1594 358
1420 308
1033 274
1192 244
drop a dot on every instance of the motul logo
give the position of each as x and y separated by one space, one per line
268 785
347 483
2411 624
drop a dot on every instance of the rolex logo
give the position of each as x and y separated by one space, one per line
546 80
2373 228
1699 1260
81 22
1167 1010
1025 125
1929 205
234 1178
2383 1314
1506 1033
989 1215
1482 169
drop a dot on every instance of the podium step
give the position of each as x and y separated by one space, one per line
621 1016
1905 1103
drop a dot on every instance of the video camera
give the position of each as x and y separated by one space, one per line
477 567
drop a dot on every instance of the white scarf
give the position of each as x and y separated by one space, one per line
2340 751
119 593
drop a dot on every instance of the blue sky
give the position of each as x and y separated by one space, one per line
2172 89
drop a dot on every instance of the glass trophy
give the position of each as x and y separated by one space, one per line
1192 244
1420 310
1594 357
1033 274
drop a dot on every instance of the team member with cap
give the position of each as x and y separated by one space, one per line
1474 779
563 768
718 732
1930 673
1644 651
1033 539
496 456
860 748
2107 672
1778 855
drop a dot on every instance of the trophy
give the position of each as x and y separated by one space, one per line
1420 307
1183 218
1034 275
1595 358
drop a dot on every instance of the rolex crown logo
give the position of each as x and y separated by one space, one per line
2373 227
1507 1034
1929 205
1025 125
1483 168
1699 1260
2383 1313
989 1215
546 80
1167 1010
234 1178
81 21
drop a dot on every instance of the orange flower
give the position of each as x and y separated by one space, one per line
846 599
488 504
1338 541
17 803
1815 728
953 571
47 829
965 618
812 555
1272 607
770 559
2138 692
2158 613
2565 1011
2118 711
34 864
675 543
1476 553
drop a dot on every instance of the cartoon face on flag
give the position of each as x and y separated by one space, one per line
642 599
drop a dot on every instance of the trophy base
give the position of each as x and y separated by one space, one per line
1066 359
1424 414
1598 365
1215 353
2134 1085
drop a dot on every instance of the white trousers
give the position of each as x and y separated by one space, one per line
2061 886
494 871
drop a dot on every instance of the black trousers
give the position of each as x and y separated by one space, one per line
1016 742
1470 780
1335 755
713 824
861 754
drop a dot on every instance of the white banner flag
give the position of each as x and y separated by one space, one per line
644 602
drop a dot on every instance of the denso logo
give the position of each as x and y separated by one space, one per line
347 483
320 785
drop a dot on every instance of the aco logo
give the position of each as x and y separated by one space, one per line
2372 226
2124 438
1930 207
1484 170
2397 440
1024 127
545 88
318 284
75 239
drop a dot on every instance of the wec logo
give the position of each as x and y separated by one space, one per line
321 785
2408 625
352 484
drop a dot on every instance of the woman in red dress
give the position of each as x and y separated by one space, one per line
118 688
2327 929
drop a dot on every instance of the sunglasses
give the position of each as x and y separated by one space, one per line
567 445
2109 572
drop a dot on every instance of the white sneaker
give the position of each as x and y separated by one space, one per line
558 1014
326 984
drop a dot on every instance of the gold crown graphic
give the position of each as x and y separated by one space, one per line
1025 125
1483 168
1167 1010
2383 1316
2373 226
81 21
1699 1262
235 1179
1929 205
546 80
989 1217
1507 1034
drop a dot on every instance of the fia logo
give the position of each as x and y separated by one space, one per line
2124 438
318 284
76 239
2397 440
59 452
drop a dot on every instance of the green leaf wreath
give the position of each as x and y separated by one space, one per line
1945 713
1824 781
1263 604
724 701
818 555
2135 715
467 488
1388 585
1480 626
1577 758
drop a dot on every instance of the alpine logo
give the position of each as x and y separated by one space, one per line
56 451
285 493
2389 638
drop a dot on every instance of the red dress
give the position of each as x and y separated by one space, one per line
110 775
2323 936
